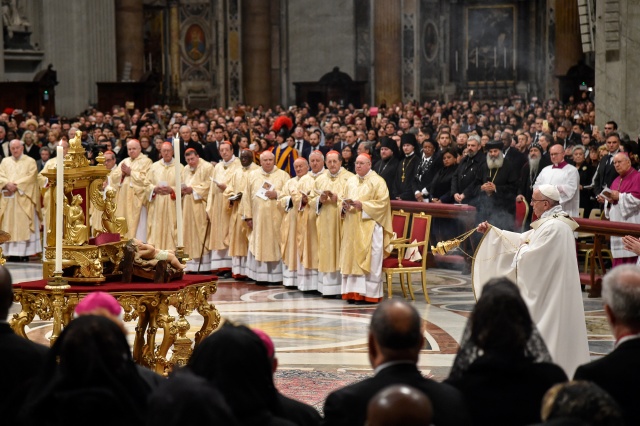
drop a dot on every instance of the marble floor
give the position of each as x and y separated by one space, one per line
324 335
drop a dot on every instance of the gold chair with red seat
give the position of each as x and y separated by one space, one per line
420 230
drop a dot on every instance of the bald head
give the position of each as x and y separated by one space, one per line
16 148
399 405
622 163
134 148
267 161
395 333
301 166
6 292
363 164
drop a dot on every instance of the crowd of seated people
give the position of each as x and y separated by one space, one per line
522 133
502 374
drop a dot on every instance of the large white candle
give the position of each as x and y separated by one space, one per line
59 205
176 159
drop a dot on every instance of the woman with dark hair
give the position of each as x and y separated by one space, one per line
440 189
234 359
90 373
348 160
503 367
186 399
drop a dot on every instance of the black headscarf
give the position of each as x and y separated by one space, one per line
188 400
235 361
89 378
499 324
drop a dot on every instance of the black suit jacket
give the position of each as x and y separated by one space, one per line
516 158
299 413
605 174
348 406
22 360
306 149
387 170
619 374
211 152
425 173
468 176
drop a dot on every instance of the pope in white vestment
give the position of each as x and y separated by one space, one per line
542 262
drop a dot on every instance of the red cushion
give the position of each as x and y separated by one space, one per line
398 223
117 286
418 231
392 262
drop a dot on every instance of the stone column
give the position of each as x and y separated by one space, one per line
129 39
387 51
256 52
174 49
617 63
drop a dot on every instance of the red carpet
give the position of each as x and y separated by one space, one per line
312 387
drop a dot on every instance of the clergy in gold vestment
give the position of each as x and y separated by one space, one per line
238 242
20 205
130 180
307 232
219 212
264 217
288 231
161 193
196 178
329 224
367 232
43 184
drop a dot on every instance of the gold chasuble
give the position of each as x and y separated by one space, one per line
194 207
264 239
238 242
288 236
218 206
18 211
329 222
131 191
161 218
306 230
371 190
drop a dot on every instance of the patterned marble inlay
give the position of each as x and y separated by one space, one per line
317 334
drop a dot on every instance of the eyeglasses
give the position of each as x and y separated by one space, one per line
533 200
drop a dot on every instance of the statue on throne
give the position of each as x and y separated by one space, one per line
12 19
76 231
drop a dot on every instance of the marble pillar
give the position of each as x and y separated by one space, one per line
79 39
256 52
617 64
387 45
129 39
174 50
